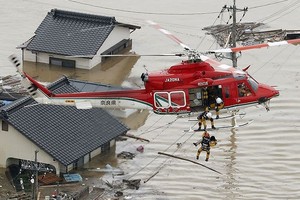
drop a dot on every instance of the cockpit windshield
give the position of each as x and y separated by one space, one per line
253 83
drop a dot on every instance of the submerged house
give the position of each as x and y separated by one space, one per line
76 40
58 137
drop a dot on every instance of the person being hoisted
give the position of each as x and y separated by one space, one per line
206 143
205 115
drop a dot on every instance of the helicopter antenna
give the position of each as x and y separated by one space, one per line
145 68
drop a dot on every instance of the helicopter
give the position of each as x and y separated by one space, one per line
176 90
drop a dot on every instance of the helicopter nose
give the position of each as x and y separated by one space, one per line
268 91
276 92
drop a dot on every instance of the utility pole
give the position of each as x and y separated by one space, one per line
35 180
233 34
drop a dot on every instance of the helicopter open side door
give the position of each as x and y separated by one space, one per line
168 102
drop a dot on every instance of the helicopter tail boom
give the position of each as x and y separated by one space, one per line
257 46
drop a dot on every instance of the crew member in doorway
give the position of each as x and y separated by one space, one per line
219 106
206 143
205 115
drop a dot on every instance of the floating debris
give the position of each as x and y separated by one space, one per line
140 149
126 155
133 184
118 194
11 88
247 35
108 168
179 144
136 137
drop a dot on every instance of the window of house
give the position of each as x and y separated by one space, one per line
4 126
62 62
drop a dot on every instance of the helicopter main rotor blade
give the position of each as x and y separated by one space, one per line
138 55
167 33
128 55
257 46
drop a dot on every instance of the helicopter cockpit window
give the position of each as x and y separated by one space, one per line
253 83
243 90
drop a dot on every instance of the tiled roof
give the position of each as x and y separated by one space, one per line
65 132
72 33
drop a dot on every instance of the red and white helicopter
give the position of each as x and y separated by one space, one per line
178 89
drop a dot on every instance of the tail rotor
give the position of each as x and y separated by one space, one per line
30 88
16 62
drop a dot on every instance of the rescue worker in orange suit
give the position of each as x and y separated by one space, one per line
206 142
206 115
219 106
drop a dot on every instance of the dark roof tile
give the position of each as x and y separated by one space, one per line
71 33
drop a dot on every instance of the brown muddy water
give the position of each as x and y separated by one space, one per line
259 161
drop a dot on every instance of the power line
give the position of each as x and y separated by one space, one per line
287 11
280 11
164 13
268 4
140 12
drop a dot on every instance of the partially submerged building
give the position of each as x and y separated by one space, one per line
76 40
64 137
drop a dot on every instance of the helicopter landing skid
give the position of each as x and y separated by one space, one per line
234 123
221 127
230 126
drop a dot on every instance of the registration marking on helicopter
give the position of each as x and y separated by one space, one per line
172 80
108 102
202 83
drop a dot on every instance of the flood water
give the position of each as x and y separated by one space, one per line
258 161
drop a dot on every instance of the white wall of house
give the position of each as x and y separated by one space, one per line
116 35
15 145
82 63
95 152
112 143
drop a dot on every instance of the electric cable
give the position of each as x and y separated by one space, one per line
140 12
280 11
